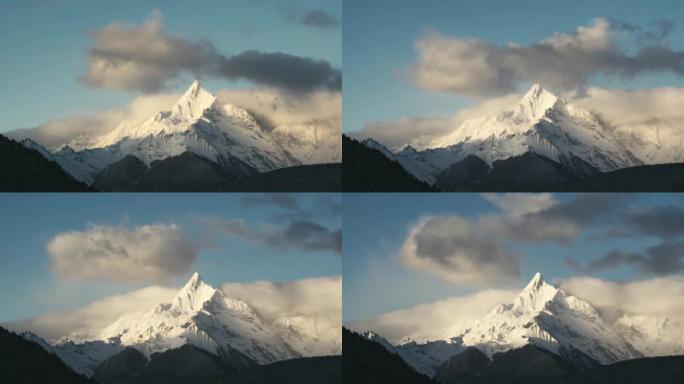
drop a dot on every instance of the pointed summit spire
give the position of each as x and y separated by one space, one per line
194 102
536 102
194 293
194 282
536 282
535 295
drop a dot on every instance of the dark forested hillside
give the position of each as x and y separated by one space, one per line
368 170
25 362
25 170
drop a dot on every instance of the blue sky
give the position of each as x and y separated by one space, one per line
44 46
379 39
29 286
376 225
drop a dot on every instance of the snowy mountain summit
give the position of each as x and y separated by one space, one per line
541 315
548 318
543 124
204 125
206 318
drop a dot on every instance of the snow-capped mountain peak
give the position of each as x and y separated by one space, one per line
548 318
194 294
540 123
535 295
541 315
194 102
535 103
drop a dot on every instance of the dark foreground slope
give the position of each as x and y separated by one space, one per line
189 172
533 173
646 178
189 364
527 172
25 170
368 170
652 370
311 370
23 361
531 365
302 178
367 362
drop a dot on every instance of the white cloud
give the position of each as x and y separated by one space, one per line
95 316
659 296
424 132
272 108
437 320
155 252
145 58
281 108
563 61
319 296
619 107
61 131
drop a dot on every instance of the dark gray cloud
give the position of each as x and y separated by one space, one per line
145 57
282 200
546 220
563 61
663 259
299 234
473 251
319 19
455 250
282 70
664 222
584 209
288 207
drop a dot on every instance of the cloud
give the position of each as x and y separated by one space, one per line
437 320
543 219
318 18
145 57
664 222
448 317
453 249
316 302
155 252
480 250
418 132
425 132
656 296
520 204
281 200
271 107
299 234
96 315
563 61
280 108
623 107
618 109
662 259
320 296
61 131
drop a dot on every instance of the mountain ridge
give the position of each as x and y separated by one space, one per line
543 316
204 317
548 126
205 125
